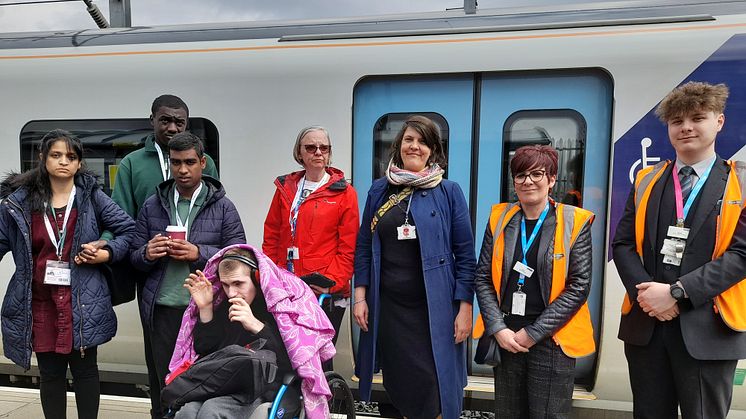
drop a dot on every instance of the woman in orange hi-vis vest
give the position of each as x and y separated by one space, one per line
532 282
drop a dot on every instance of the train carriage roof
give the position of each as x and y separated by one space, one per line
588 14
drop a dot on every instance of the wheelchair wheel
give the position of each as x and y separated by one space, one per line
341 405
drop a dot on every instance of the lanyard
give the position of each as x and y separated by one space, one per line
165 169
409 205
295 210
526 244
682 209
59 244
195 195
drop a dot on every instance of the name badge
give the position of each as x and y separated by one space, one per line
678 232
673 247
406 232
519 304
522 269
293 253
57 273
671 260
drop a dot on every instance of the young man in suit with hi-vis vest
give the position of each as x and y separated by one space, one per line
680 249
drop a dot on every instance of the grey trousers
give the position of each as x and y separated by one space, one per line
536 384
223 407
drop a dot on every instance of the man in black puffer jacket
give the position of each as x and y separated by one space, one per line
211 222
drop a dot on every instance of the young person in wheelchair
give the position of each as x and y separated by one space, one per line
243 299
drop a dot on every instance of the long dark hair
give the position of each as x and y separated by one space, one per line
36 180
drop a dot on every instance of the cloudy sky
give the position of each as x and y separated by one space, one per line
73 15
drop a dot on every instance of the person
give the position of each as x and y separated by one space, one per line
141 171
312 223
138 175
532 282
240 319
415 231
680 249
293 311
199 205
62 312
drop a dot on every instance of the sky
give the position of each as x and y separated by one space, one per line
73 15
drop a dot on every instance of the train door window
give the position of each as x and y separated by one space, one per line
107 141
384 134
563 129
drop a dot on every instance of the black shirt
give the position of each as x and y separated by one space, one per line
534 302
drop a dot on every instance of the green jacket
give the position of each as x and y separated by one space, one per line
139 174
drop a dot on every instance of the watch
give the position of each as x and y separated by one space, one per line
677 292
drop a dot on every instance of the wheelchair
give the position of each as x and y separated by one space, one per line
341 404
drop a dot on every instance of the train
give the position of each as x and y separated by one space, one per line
583 77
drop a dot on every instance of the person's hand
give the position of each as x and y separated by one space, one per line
655 298
318 290
179 249
462 323
157 247
669 314
360 312
240 311
200 288
523 339
92 253
506 340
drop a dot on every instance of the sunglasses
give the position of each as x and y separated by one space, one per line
311 148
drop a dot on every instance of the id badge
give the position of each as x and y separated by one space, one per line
57 273
524 270
678 232
293 253
673 247
519 304
406 232
671 260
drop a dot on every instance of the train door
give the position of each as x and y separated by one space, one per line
483 118
570 110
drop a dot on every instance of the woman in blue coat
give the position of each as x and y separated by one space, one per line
414 279
57 304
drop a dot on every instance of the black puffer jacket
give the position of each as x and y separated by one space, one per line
561 310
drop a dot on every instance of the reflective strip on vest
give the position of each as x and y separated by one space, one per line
730 303
576 336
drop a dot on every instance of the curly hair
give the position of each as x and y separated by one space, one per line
691 97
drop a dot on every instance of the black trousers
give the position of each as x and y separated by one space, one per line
335 315
166 325
53 383
664 376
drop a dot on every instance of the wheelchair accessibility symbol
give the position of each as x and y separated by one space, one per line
645 161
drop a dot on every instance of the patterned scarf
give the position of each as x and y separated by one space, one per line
427 178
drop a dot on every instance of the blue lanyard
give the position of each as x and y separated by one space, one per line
526 244
693 194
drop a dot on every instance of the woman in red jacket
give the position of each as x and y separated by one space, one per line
312 223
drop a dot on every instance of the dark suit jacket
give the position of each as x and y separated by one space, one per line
705 334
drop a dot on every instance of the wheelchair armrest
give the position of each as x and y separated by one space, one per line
289 379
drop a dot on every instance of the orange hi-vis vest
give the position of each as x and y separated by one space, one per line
731 304
576 336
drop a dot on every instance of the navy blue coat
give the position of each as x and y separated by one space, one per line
215 226
94 321
448 264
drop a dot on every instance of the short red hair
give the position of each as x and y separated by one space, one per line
534 156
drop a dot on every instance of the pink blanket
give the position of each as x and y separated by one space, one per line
304 327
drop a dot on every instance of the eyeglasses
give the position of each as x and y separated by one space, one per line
311 148
536 176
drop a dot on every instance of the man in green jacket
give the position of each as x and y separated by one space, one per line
142 170
138 175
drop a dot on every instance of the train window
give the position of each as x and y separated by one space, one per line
107 141
384 133
565 130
